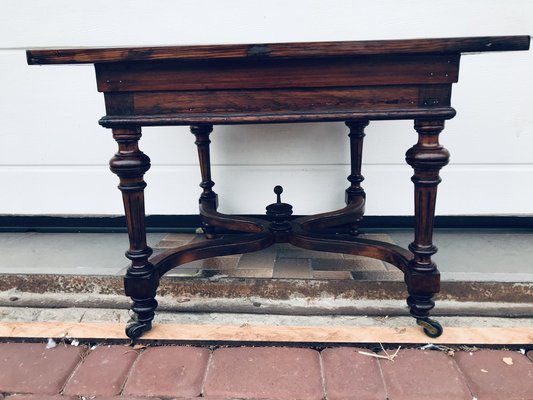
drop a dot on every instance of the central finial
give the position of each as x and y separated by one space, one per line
279 213
278 190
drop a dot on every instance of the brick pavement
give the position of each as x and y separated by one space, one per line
29 371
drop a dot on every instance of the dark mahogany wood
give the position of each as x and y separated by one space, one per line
355 192
280 50
272 74
141 280
352 82
208 198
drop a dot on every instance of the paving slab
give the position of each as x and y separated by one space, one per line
66 253
262 259
293 268
483 251
497 374
349 374
271 373
39 397
32 368
168 371
51 315
463 254
103 315
103 372
122 398
422 375
21 314
264 372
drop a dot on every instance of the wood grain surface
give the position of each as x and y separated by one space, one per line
268 333
280 50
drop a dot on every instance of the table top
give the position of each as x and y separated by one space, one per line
279 82
280 50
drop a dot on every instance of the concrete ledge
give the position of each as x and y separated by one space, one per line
278 289
263 296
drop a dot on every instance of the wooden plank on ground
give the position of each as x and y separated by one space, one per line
268 333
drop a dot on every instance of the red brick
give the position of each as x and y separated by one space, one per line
350 375
59 397
31 368
168 371
500 381
103 372
192 398
261 372
530 354
124 398
422 375
39 397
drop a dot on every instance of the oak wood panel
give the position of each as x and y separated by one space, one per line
254 74
279 50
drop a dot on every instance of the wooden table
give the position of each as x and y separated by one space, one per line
353 82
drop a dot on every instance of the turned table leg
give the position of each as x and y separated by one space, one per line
426 157
208 196
355 192
141 280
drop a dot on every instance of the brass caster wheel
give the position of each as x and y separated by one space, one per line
134 328
431 327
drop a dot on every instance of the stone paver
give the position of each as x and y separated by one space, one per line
178 373
103 372
168 371
39 397
19 314
69 314
350 375
264 372
422 375
262 259
293 268
490 378
31 368
122 398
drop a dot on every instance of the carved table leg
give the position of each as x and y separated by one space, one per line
208 196
141 279
426 157
355 191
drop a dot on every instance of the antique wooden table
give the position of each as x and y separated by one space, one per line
353 82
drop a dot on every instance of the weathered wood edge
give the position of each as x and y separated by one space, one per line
279 50
266 333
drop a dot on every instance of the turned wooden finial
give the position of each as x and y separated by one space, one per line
279 213
278 190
